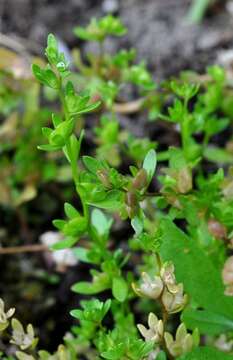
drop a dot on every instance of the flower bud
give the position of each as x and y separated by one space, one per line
223 344
184 180
155 331
140 180
168 277
228 190
21 338
131 204
4 316
104 178
227 276
174 301
217 229
183 342
150 287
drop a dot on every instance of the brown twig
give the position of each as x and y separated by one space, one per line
22 249
129 107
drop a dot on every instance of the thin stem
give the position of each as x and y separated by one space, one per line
74 165
159 262
65 110
73 162
165 316
22 249
185 128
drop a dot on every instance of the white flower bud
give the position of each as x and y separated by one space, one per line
155 331
183 341
174 302
5 315
168 277
151 287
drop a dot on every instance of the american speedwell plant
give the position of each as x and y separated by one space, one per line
159 294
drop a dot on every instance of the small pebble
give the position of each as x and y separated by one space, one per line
110 6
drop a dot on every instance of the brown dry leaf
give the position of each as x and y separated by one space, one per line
14 63
18 65
27 194
9 127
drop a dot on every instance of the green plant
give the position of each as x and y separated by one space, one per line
169 269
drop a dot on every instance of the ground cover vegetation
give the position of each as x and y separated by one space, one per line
150 222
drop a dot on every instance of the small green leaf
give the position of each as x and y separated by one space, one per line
59 224
100 222
46 131
64 244
63 131
56 119
119 289
92 164
90 108
217 155
70 211
137 225
46 76
149 164
81 254
112 201
88 288
48 147
75 227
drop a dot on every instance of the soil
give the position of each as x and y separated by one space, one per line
158 29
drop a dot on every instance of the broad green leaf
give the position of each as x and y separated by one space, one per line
119 288
207 322
161 356
194 268
205 353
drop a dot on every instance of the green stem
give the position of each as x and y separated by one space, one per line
205 142
198 9
73 162
185 128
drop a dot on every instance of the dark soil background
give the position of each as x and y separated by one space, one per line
158 29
